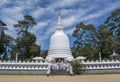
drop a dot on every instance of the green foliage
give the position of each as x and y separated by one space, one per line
24 25
113 23
89 41
106 41
44 53
0 58
103 32
76 67
85 40
26 47
25 43
85 35
6 41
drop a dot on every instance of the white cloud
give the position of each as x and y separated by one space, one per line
2 2
38 12
47 34
28 4
40 25
65 3
68 21
11 22
74 16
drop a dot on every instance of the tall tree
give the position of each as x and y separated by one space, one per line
85 40
8 45
2 28
25 43
106 42
6 41
25 25
113 23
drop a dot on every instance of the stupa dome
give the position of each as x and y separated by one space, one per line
59 44
59 39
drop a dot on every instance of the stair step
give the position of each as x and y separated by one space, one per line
59 72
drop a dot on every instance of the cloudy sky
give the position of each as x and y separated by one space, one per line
45 13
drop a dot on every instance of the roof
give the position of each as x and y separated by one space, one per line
80 58
38 58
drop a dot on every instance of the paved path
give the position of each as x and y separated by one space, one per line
42 78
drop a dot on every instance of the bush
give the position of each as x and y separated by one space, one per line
0 58
76 67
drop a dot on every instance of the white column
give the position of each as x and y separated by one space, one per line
99 56
16 57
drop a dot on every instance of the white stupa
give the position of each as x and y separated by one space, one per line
59 45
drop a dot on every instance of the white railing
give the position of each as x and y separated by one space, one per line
113 64
24 65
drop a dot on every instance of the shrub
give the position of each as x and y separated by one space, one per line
76 67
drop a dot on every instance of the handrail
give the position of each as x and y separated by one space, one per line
71 71
49 69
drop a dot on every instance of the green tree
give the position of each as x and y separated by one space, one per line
106 42
8 45
85 42
2 29
85 35
25 43
6 41
106 38
25 25
113 23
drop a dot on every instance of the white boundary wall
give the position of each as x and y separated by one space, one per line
12 67
108 66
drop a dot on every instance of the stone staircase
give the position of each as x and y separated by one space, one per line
58 72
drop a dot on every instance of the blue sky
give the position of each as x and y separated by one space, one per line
45 13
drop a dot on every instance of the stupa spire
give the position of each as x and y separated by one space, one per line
59 13
59 23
